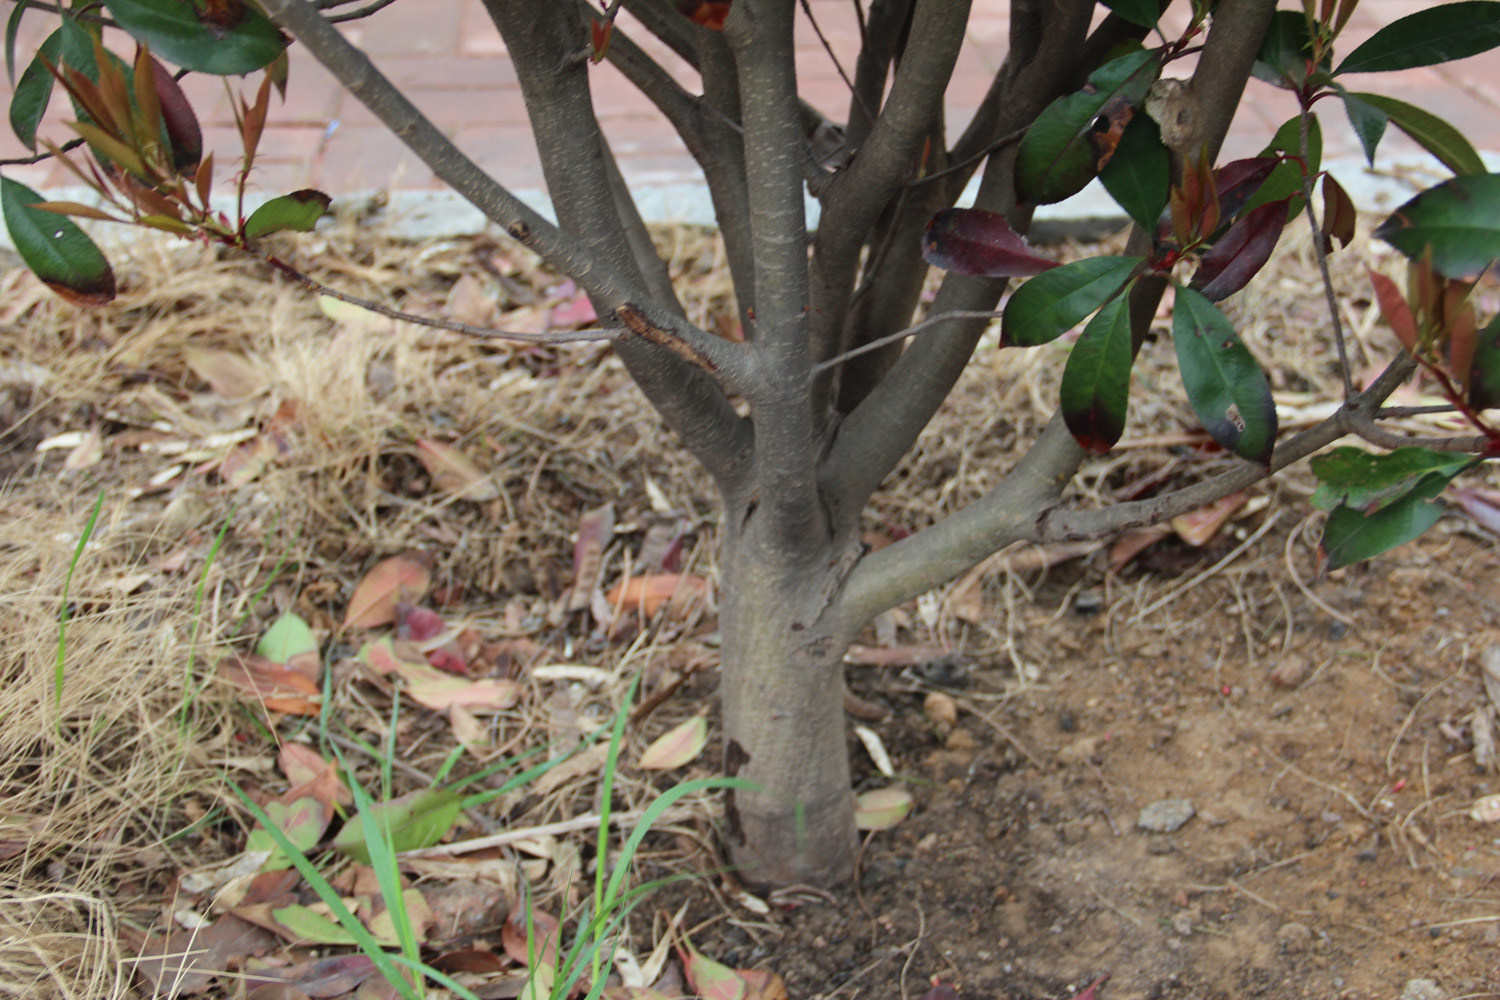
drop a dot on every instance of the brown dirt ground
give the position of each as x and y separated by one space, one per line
1331 854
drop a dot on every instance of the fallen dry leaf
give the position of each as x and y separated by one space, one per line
228 374
431 687
542 943
647 594
454 472
595 529
1198 527
399 578
278 688
881 808
186 962
676 747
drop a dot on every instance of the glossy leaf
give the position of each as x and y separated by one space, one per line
1236 182
29 100
1339 216
55 249
1241 252
298 212
1439 34
1350 536
415 820
181 122
240 40
12 29
1224 383
1142 12
1061 152
1459 220
600 33
1368 122
1051 304
1427 130
1353 477
1096 379
1285 50
1286 180
1484 371
1138 176
973 241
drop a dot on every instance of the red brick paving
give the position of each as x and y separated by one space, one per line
453 64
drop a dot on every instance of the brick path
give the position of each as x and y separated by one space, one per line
451 62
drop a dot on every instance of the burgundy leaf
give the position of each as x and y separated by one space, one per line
1338 214
182 124
1394 308
1240 253
976 242
1237 181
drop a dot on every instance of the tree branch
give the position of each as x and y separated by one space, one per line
882 39
703 415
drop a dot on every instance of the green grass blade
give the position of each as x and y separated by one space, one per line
59 670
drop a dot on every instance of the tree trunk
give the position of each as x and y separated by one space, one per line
783 717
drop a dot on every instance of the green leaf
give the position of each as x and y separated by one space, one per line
1138 176
1428 131
308 926
1368 122
287 637
28 102
1142 12
1284 51
55 249
1062 150
1224 382
1096 380
12 28
1459 219
303 823
1350 536
298 211
1286 180
1353 477
178 32
1484 371
1051 304
417 819
1439 34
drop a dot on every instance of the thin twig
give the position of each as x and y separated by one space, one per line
1321 253
589 822
1291 569
26 161
968 161
372 7
558 337
1234 554
807 9
875 345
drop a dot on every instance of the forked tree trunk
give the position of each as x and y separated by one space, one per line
783 718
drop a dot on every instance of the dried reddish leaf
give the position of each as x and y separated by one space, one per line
647 594
676 747
542 944
278 688
228 374
1393 307
1339 216
1107 128
595 530
1133 543
472 960
762 985
1198 527
710 980
186 962
431 687
399 578
708 13
418 624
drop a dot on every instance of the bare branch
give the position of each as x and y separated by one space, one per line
881 39
901 335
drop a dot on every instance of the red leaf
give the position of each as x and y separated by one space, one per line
417 624
1395 310
708 13
1339 216
1237 181
976 242
1241 252
182 124
600 32
1089 993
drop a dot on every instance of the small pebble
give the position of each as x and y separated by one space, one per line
1165 815
1289 672
1422 989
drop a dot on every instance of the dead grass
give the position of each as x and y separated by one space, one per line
108 796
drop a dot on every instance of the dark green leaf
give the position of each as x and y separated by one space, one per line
1429 131
1458 219
298 211
242 42
1138 176
1439 34
1096 380
1286 180
1484 372
1051 304
1142 12
1285 51
12 27
1368 122
1062 150
1350 536
28 103
973 241
418 819
1224 383
55 249
1353 477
